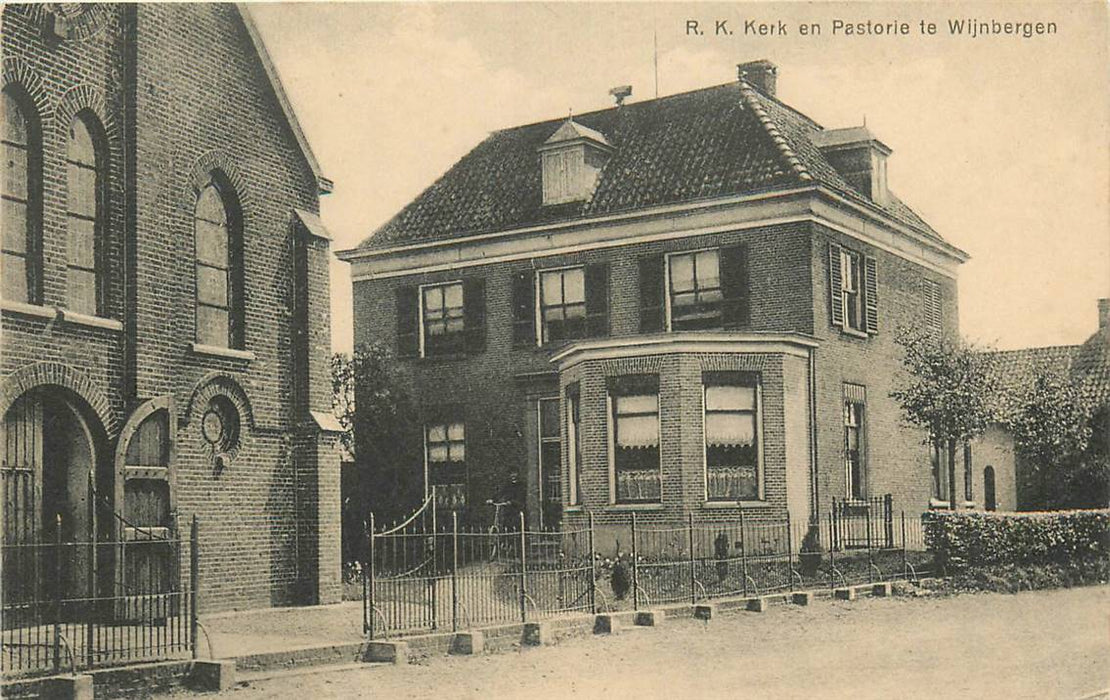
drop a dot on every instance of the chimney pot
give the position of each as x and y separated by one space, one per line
761 74
621 93
1103 313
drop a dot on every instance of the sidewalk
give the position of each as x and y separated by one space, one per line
279 629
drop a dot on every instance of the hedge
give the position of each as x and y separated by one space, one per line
973 539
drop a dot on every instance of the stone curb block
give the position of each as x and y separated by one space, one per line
649 618
705 611
881 590
466 643
388 652
606 624
213 675
801 598
537 634
79 687
756 605
844 594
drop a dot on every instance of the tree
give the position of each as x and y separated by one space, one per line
1051 429
948 391
381 427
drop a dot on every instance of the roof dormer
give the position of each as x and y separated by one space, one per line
572 159
859 157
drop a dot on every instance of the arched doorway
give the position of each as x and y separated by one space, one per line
51 474
989 501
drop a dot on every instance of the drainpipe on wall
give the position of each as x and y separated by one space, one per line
814 489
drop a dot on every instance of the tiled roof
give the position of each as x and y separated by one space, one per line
714 142
1087 364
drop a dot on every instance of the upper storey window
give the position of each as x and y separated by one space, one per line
219 272
560 304
441 308
445 319
695 290
86 217
21 202
853 291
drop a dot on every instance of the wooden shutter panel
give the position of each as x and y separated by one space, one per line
651 293
597 300
524 310
735 287
408 321
836 286
474 314
871 294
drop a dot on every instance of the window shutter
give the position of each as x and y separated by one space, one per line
408 320
735 287
474 314
651 293
871 294
933 317
524 310
597 300
836 286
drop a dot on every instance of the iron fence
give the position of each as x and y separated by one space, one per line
421 579
72 605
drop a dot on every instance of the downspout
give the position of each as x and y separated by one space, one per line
814 488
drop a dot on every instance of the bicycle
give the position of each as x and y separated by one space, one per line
495 529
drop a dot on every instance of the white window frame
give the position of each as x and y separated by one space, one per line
760 477
540 440
852 285
537 294
427 463
573 460
612 451
420 307
667 314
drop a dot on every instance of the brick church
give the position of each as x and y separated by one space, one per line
678 306
165 300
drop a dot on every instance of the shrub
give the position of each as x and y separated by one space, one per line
620 579
963 540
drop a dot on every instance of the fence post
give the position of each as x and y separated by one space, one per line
888 519
870 561
690 530
635 568
90 612
58 586
523 571
790 551
454 571
834 529
434 578
593 568
369 623
194 580
743 553
832 547
905 569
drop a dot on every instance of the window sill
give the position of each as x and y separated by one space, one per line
24 309
108 324
577 508
852 332
634 506
226 353
451 357
734 505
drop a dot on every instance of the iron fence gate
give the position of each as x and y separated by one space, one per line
70 603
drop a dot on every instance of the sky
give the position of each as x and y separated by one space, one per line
1001 142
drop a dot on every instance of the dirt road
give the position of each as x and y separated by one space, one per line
1053 644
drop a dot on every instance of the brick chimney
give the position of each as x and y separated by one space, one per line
1103 313
759 74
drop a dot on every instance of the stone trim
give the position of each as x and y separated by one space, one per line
218 161
214 383
20 73
54 373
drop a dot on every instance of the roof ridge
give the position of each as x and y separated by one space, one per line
747 94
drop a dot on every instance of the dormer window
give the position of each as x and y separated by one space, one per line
572 159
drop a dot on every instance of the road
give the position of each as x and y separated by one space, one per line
1048 644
